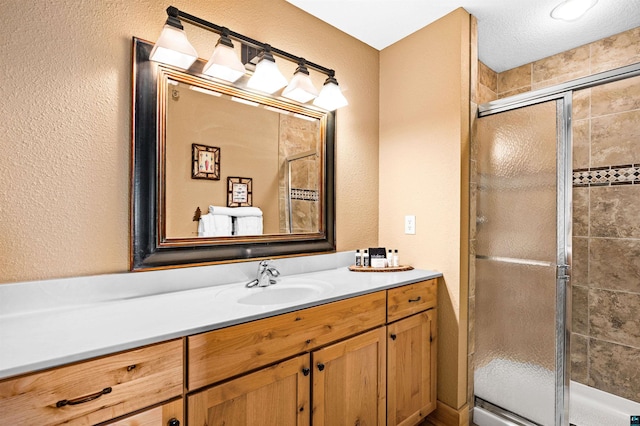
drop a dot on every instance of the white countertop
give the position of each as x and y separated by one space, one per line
43 338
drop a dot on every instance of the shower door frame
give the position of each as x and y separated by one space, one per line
563 102
562 93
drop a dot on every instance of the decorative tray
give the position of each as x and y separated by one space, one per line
400 268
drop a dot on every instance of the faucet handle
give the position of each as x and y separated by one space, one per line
273 271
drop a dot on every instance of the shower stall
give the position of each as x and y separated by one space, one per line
301 177
534 245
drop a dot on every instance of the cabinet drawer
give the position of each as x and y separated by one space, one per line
224 353
410 299
166 414
94 391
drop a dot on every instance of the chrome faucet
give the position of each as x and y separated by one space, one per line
266 275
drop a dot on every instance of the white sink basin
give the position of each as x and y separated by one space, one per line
283 292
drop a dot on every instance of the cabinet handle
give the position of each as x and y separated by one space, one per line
173 422
320 366
83 399
306 371
417 299
393 336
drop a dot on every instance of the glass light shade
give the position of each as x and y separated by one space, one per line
173 48
267 77
571 10
224 64
330 97
300 88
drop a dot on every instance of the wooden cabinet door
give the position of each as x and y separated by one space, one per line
276 395
411 369
349 385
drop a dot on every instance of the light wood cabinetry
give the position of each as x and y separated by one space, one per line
411 353
411 299
224 353
349 384
95 391
276 395
366 360
169 414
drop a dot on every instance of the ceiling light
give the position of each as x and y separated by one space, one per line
301 87
267 77
570 10
224 62
330 97
172 47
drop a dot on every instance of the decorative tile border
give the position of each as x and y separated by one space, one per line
605 176
304 194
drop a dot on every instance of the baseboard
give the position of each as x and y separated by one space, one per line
447 416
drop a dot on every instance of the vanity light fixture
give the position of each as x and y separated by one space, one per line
172 46
174 49
267 76
301 87
224 63
570 10
330 97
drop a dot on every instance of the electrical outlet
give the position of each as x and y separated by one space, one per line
410 224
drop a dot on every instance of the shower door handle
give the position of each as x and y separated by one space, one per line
562 272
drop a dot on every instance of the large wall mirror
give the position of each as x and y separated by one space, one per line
222 174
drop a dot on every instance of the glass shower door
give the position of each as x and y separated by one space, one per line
522 247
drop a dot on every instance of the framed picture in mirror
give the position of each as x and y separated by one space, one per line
206 162
239 192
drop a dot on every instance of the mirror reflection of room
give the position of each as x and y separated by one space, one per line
278 152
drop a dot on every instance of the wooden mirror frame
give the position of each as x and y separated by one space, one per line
148 251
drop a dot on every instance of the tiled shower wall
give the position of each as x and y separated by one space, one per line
606 245
606 238
299 136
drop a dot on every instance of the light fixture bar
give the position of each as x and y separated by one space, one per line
172 11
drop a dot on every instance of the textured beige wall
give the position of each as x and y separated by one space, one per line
65 105
424 157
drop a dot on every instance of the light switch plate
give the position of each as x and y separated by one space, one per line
410 224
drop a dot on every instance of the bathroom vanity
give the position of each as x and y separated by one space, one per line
361 350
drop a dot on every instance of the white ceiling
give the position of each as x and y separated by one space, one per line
510 32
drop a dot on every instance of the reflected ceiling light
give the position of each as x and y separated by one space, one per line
224 63
305 117
278 110
301 87
205 91
330 97
172 47
244 101
570 10
267 76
